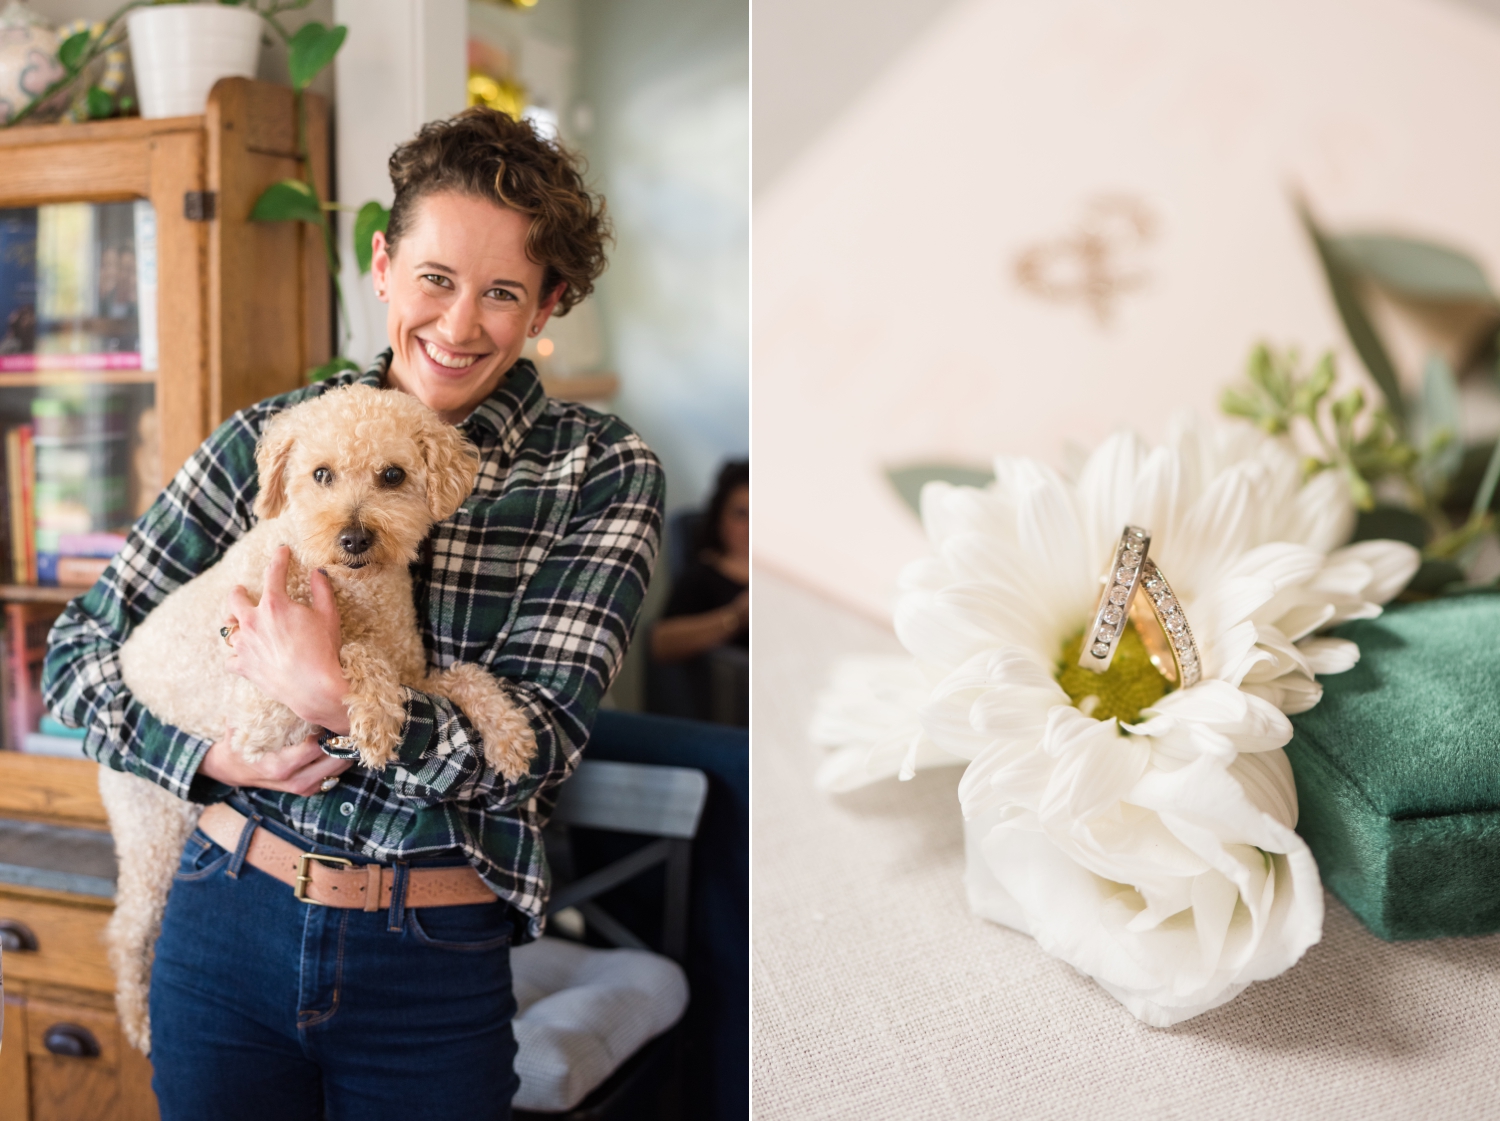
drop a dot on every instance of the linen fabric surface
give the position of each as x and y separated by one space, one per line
878 994
538 578
1398 771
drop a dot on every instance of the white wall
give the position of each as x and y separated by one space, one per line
666 83
402 64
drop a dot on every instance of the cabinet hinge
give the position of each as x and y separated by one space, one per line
200 206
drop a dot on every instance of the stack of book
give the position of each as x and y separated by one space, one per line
78 287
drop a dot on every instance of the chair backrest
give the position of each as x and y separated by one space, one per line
657 801
633 798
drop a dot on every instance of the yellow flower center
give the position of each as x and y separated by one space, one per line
1130 684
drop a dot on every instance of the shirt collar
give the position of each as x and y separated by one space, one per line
507 414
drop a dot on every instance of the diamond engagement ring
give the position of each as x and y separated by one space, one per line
226 632
1119 587
1164 629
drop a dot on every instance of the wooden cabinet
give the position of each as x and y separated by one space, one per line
243 310
62 1057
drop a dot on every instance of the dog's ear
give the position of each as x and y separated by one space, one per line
452 466
270 463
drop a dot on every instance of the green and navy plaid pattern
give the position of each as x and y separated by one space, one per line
539 578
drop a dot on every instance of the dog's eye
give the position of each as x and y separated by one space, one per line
393 476
323 477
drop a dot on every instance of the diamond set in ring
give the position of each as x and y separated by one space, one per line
1109 619
1174 624
1170 642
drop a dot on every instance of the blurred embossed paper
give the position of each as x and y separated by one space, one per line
1049 222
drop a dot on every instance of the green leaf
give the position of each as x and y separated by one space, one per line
1486 491
311 49
290 200
332 368
1391 523
1436 577
1422 270
101 103
371 217
71 53
910 480
1439 422
1344 289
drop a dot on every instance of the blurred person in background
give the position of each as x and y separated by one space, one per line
705 629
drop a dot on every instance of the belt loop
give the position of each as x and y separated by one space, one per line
397 918
237 861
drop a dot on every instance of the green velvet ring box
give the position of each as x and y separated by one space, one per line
1398 771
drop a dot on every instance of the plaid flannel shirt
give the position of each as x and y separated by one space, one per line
539 578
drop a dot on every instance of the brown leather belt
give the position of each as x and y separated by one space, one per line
332 881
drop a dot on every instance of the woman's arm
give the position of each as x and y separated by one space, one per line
684 636
565 644
205 509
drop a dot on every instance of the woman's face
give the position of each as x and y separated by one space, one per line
464 297
734 523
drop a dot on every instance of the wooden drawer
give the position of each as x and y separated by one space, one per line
37 1084
69 936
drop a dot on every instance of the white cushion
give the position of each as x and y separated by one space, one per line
582 1012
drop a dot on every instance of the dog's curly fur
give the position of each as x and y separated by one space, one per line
174 662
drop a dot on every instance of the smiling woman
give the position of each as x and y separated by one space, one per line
398 1005
497 231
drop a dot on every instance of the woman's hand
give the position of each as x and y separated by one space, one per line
290 651
297 770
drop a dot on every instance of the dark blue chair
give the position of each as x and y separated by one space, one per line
715 1033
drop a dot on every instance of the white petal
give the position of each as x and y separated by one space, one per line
1392 564
1329 655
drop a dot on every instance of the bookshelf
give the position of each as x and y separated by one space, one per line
113 399
139 307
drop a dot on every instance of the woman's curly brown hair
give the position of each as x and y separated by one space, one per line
487 154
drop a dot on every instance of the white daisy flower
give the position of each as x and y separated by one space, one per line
1142 834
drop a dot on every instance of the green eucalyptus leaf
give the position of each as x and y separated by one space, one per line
71 53
332 368
1391 523
1422 270
1435 577
1486 492
1344 288
311 49
101 103
371 217
910 480
290 200
1439 422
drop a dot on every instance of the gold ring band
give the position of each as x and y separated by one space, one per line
328 784
1103 636
226 632
1163 627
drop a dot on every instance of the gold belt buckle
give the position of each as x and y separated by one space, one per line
304 875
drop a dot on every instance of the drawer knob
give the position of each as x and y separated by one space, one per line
16 936
71 1040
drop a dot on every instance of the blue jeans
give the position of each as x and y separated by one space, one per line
267 1009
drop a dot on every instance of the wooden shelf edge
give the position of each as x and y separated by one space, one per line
38 593
121 128
51 789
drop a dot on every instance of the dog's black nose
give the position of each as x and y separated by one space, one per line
356 540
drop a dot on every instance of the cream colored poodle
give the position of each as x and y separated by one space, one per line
351 481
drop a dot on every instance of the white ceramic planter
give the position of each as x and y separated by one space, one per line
180 50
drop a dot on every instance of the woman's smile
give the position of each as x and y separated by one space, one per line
448 359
